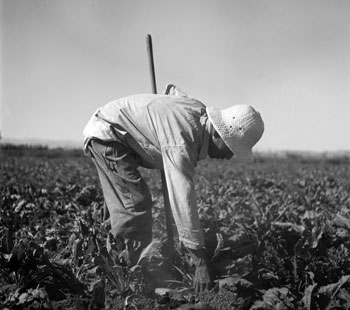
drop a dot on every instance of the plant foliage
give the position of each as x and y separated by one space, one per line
277 232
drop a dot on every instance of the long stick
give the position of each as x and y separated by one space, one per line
151 63
168 214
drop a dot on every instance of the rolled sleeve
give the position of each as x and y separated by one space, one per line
179 171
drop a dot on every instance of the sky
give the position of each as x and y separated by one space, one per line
61 59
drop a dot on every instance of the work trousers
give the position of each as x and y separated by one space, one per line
128 201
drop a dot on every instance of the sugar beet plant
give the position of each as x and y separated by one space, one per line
277 233
286 232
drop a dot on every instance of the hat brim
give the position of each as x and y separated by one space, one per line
240 154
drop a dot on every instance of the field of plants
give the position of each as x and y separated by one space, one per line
277 232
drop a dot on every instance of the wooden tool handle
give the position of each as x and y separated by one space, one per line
151 63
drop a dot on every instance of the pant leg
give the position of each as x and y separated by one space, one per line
126 194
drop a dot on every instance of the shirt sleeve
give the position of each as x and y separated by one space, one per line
179 169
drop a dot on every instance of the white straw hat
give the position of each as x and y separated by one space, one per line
240 127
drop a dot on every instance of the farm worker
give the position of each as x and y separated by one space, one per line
169 131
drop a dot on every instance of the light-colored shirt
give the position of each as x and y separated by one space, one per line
169 133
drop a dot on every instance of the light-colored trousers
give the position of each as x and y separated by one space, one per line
128 201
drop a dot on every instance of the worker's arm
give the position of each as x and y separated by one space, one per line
179 165
179 171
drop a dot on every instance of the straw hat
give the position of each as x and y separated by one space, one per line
240 127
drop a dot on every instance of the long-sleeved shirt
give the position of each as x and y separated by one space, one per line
169 133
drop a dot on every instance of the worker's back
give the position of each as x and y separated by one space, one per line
148 122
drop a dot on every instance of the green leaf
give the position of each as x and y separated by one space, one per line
149 251
275 298
341 221
308 296
298 228
23 298
78 249
329 291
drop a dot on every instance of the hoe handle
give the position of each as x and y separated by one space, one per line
151 63
168 214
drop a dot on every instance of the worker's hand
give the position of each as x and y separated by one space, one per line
203 277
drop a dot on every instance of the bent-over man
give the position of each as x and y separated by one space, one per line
171 132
